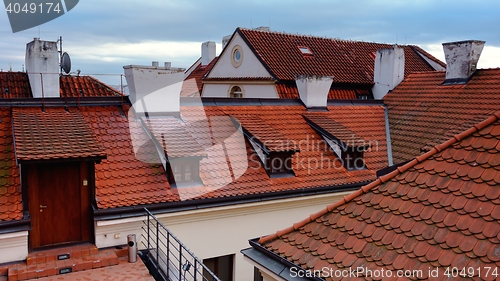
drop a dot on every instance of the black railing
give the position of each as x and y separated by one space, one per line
167 258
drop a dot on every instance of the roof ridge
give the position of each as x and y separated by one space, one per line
315 36
419 159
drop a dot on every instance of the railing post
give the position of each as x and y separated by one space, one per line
195 270
149 235
157 242
180 262
168 253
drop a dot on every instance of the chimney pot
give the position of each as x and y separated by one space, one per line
155 64
207 52
313 90
389 70
42 66
168 65
461 60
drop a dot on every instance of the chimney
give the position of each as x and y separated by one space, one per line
154 64
207 52
168 65
225 40
313 90
461 60
42 66
389 70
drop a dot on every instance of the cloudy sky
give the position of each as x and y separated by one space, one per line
103 36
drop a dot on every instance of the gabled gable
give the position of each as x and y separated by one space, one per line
249 66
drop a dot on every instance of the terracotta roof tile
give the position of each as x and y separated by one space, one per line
16 85
53 133
422 113
172 135
10 187
458 230
280 53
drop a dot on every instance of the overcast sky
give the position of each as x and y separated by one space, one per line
103 36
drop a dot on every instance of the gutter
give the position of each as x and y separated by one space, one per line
15 226
172 207
272 264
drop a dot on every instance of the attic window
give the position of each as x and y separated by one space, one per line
236 92
305 50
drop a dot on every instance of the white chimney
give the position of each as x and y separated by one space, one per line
389 70
207 52
461 59
313 90
225 40
168 65
154 64
42 66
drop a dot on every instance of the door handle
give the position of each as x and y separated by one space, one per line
43 207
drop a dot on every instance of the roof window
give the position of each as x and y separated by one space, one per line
305 50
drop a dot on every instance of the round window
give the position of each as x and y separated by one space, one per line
237 56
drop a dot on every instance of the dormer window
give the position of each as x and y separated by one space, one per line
305 50
274 151
180 152
344 143
236 92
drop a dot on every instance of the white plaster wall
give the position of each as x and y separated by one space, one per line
250 91
250 66
13 246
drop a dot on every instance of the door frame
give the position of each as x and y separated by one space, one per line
29 182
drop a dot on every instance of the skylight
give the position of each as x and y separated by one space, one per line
305 50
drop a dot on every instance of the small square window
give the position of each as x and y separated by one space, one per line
305 50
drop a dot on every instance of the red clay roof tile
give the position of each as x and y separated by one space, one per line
53 133
457 230
279 52
422 113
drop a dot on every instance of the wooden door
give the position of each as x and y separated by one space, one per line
59 203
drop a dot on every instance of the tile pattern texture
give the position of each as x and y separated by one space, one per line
192 85
350 62
16 85
423 113
442 209
53 133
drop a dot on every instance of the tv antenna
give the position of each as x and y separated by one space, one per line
65 59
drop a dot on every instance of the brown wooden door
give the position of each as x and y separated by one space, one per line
59 203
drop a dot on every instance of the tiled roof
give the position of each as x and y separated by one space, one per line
335 130
53 133
18 86
14 85
11 207
266 135
127 177
172 135
132 175
193 85
290 91
85 86
349 62
442 209
422 113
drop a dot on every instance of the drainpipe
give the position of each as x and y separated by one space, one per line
388 137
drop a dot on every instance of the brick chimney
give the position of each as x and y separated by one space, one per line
207 52
389 70
42 66
461 60
313 90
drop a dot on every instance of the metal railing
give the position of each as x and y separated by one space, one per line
168 258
